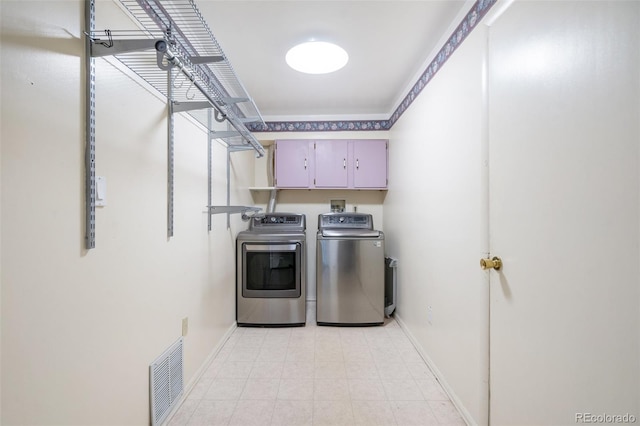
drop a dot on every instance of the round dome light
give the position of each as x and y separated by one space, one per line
317 57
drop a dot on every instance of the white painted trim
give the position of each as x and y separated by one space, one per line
496 11
484 249
439 376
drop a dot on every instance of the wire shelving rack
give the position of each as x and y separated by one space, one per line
174 51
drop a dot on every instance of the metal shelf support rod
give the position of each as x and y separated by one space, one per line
233 148
190 106
228 186
225 134
234 100
116 47
232 209
90 131
209 166
170 154
205 59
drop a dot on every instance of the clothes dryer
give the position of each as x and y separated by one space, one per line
271 271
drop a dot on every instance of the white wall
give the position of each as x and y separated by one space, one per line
437 174
433 222
80 328
317 201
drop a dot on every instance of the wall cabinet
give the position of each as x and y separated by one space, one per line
370 167
331 163
292 164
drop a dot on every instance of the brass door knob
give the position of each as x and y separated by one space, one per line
495 263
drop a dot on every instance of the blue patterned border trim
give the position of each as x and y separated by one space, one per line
477 12
319 126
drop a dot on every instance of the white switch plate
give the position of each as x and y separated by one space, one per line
101 191
185 326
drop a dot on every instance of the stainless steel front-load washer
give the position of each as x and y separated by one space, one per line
349 270
271 271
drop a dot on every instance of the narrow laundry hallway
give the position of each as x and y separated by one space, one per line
318 376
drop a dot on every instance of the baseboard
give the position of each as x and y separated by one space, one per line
437 373
196 377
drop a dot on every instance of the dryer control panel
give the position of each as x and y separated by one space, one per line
278 220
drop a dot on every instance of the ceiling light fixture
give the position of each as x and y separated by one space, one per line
317 57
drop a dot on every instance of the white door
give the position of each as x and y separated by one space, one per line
564 187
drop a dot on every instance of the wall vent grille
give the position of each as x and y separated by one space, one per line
166 382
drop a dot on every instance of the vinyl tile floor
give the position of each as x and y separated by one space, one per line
317 375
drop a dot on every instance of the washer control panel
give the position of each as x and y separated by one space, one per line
345 220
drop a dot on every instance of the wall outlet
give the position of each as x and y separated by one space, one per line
430 314
185 326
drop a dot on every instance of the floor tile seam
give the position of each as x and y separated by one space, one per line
314 393
226 399
279 379
192 411
424 398
411 401
313 410
281 364
247 347
381 373
452 405
273 408
369 380
387 401
200 403
202 394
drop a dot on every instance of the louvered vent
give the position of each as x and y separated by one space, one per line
167 383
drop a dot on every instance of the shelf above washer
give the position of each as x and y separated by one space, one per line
232 209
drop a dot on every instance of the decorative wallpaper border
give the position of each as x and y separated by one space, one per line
476 13
320 126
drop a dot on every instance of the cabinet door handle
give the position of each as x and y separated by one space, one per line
305 164
344 163
357 164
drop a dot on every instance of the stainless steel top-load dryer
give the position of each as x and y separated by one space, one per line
271 271
349 270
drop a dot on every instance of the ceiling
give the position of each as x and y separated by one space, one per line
388 43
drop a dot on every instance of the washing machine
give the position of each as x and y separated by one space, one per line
350 270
